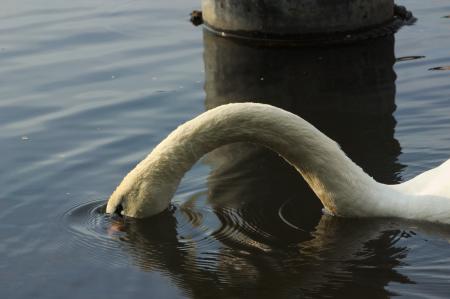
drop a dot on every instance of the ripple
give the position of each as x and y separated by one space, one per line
96 231
241 234
407 58
199 237
286 220
194 243
440 68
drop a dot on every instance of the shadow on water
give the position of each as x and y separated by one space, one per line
260 230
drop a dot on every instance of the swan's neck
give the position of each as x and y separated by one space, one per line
343 187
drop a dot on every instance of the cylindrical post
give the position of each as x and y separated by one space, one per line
281 18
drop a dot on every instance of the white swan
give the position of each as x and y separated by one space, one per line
343 187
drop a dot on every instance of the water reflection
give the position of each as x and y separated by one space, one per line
347 92
260 231
343 257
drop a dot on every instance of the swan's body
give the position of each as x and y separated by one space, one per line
343 187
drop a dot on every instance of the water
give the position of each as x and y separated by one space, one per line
87 88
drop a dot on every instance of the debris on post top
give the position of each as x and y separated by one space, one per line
297 19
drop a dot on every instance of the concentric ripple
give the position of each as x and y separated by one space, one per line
95 231
194 243
193 234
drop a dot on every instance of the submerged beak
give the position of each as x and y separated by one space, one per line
114 206
119 210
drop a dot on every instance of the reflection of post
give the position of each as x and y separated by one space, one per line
347 92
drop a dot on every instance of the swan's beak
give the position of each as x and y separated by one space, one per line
114 206
119 210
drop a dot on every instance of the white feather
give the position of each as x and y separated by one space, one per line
343 187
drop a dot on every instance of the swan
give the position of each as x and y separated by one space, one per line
342 186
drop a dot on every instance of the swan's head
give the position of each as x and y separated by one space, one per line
139 198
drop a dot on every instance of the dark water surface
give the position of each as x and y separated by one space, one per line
88 88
